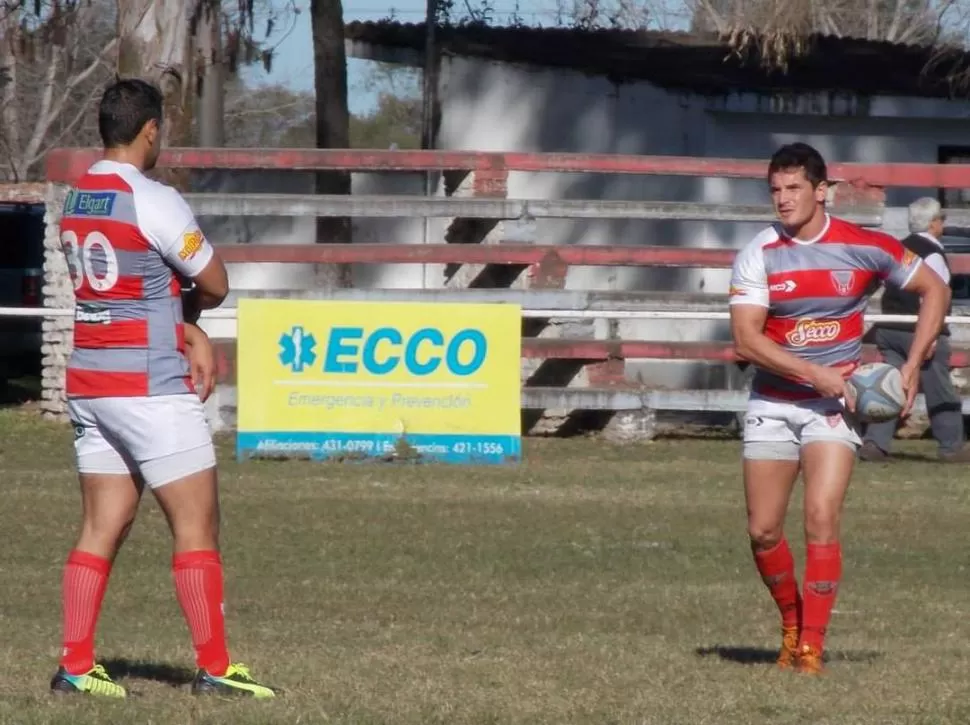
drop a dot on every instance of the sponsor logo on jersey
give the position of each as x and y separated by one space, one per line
813 332
92 314
842 279
736 291
191 244
787 286
89 203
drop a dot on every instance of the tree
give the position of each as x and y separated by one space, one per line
181 44
779 29
268 117
55 58
155 44
333 116
396 117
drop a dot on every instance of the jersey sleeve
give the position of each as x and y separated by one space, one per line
170 226
890 260
749 279
937 264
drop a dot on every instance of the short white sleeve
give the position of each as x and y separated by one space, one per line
935 262
170 226
749 280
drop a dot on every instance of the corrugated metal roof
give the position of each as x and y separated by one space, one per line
698 62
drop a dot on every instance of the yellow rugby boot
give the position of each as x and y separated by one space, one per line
236 681
93 682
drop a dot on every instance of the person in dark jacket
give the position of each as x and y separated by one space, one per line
893 340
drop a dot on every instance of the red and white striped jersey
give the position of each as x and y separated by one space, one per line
126 238
816 292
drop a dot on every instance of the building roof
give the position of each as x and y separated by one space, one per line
701 63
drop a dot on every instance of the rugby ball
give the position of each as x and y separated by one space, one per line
878 391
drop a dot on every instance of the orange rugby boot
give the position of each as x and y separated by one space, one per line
808 660
789 648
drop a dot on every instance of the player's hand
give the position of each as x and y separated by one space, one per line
910 375
202 360
828 381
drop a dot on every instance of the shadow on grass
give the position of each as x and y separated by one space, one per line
762 656
171 675
903 456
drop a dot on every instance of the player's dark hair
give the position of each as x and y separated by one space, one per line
126 106
799 156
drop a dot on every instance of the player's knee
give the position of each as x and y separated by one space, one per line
764 537
821 524
108 529
196 533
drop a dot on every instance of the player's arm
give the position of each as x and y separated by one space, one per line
201 359
210 287
751 343
748 302
934 301
173 229
900 267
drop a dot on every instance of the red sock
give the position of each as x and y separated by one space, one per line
823 570
198 586
777 569
85 580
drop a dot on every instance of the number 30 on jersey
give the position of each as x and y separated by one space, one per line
82 257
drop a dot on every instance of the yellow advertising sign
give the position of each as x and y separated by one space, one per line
375 379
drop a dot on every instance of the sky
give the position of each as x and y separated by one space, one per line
293 59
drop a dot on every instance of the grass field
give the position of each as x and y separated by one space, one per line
593 584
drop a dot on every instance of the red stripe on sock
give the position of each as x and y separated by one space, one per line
823 572
777 569
84 583
198 586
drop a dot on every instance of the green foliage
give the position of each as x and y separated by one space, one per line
276 116
396 121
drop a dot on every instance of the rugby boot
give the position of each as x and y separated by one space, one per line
93 682
808 660
236 681
789 648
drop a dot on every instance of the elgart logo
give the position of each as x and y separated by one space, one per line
787 286
810 332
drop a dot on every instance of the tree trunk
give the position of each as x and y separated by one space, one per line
212 92
333 118
9 117
155 45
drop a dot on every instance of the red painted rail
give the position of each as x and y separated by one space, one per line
510 254
66 165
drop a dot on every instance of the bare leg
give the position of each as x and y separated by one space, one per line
191 505
828 468
768 487
767 490
109 503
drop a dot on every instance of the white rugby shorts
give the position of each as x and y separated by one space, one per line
164 438
777 429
